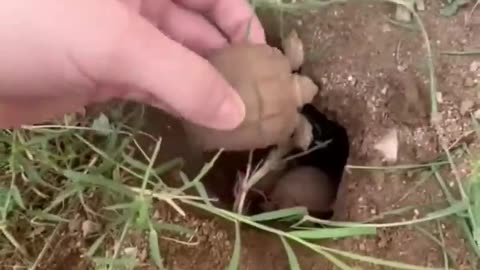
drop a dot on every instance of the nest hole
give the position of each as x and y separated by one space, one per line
330 159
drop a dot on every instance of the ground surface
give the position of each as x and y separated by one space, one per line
373 76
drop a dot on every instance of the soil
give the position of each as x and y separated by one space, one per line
373 78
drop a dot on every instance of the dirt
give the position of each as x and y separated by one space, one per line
373 78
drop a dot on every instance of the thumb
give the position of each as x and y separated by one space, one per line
162 71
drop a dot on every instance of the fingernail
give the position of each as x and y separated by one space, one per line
231 113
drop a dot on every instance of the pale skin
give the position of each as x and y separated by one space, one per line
59 56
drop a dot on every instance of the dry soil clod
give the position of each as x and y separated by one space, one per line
388 146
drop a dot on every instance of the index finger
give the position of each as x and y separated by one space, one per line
236 18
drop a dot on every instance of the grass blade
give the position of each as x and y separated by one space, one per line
299 212
173 228
335 260
199 186
97 180
376 261
120 263
334 233
154 248
94 247
235 260
50 217
292 258
452 209
17 197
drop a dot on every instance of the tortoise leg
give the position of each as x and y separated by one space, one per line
303 134
293 49
305 89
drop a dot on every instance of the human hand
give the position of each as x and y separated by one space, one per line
58 56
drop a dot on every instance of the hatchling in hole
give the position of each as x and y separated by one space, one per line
273 95
304 186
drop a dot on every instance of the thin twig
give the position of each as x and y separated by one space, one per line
272 161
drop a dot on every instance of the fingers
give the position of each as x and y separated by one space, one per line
234 17
183 25
142 58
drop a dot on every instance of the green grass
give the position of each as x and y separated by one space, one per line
98 167
68 165
72 164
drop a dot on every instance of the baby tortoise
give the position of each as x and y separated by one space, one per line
272 93
311 180
303 186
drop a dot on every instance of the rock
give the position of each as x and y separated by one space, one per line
474 66
403 14
476 114
388 145
130 251
439 97
466 106
420 5
89 227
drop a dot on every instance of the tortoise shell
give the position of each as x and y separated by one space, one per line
272 94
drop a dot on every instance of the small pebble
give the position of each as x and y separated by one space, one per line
89 227
439 97
352 80
474 66
402 68
420 4
466 106
384 90
156 215
324 80
476 114
403 14
130 251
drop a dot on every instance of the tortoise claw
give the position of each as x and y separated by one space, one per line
303 134
305 89
293 50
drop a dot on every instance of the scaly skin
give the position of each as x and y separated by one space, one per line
272 94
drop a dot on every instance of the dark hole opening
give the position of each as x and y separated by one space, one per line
331 160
